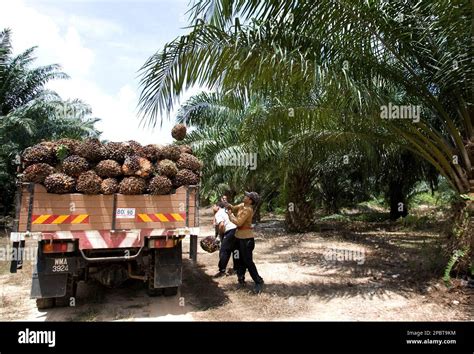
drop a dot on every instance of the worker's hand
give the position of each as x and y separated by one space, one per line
229 211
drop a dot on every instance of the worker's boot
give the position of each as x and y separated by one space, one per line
241 281
219 274
258 287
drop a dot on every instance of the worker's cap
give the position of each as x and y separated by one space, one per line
254 196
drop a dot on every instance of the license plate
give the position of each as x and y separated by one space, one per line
59 265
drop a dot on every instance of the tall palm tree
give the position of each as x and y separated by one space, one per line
30 113
369 49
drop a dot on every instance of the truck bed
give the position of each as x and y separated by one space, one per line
45 212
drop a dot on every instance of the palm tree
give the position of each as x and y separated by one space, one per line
363 53
419 49
30 113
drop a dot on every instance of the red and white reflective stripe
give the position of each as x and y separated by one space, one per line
185 231
104 239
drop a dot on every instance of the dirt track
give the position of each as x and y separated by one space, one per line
304 281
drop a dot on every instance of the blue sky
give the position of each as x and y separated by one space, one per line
101 44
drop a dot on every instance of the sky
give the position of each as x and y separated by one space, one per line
101 45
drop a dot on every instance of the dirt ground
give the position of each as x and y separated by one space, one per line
360 272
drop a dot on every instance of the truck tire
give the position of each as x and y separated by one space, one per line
45 303
170 291
65 301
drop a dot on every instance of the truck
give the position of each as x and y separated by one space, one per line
106 238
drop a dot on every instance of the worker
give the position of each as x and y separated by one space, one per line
227 231
241 215
215 209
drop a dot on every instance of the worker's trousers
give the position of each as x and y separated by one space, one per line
228 245
244 259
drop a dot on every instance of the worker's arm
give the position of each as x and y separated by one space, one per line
241 218
235 208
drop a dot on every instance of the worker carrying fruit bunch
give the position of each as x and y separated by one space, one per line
241 215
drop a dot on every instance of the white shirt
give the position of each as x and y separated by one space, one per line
222 216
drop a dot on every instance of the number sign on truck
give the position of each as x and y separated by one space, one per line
125 213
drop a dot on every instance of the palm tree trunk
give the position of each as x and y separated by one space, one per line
300 213
397 200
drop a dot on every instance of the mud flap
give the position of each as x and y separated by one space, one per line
168 267
48 285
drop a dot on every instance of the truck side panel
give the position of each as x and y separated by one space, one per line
78 212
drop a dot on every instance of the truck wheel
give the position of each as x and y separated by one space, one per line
65 301
46 303
170 291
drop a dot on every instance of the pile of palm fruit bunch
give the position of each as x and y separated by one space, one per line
91 167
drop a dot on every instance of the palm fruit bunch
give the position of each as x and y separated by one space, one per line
136 147
151 152
37 172
190 162
179 132
160 185
74 165
40 153
108 169
210 244
117 151
93 167
69 145
185 177
59 183
131 165
89 183
109 186
170 152
132 185
186 148
166 168
90 149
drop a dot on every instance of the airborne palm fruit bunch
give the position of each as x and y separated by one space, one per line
210 244
179 132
